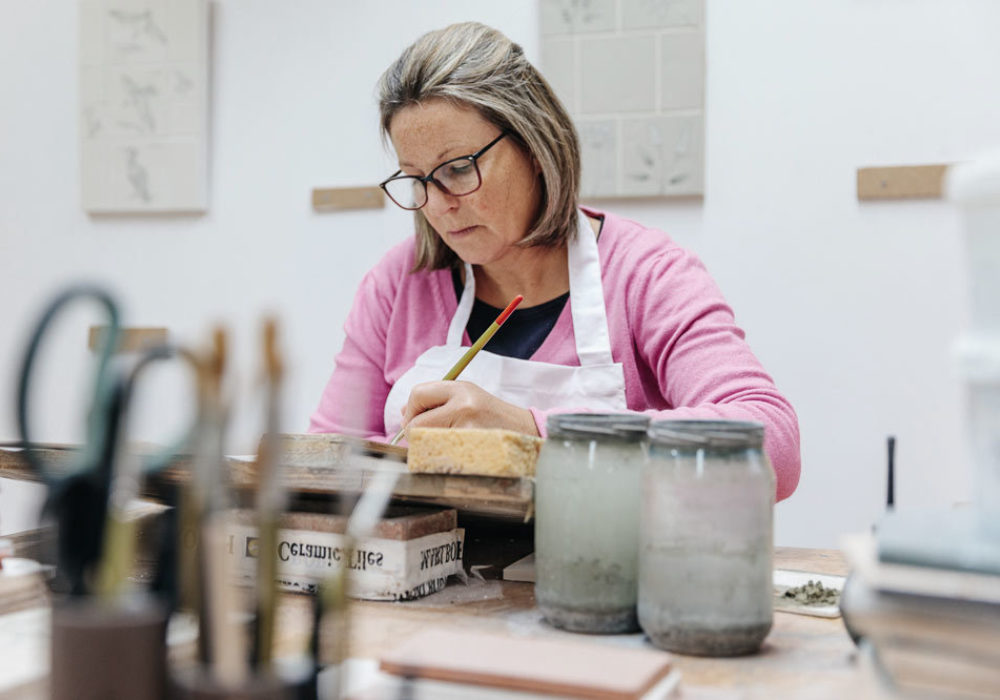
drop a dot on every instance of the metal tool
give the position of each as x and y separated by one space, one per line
78 493
127 471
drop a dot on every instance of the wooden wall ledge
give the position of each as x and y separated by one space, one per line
901 182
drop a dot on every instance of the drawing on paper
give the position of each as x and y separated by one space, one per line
144 105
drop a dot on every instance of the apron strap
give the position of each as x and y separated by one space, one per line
586 297
461 318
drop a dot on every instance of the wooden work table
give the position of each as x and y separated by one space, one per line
803 657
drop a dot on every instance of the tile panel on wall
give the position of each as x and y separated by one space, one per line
632 75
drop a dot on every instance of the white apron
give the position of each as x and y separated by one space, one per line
597 384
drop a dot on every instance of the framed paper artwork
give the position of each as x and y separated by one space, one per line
144 105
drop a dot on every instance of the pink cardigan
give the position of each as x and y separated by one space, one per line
683 355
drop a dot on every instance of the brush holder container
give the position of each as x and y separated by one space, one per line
198 684
108 650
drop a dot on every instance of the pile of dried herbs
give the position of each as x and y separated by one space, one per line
813 593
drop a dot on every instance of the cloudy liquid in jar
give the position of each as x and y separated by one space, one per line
706 543
587 523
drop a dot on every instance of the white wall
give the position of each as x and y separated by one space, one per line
851 306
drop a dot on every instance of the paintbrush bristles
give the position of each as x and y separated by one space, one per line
272 358
211 367
217 361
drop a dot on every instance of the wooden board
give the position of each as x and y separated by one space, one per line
342 198
330 463
820 561
901 182
322 449
13 466
397 523
129 339
554 666
61 457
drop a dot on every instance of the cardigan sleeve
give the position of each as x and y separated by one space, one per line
353 400
690 352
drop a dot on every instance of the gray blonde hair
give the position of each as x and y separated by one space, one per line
474 65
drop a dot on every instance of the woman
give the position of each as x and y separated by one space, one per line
615 316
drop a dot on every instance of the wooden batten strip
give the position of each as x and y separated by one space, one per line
345 198
130 340
901 182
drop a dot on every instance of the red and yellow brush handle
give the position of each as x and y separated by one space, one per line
471 352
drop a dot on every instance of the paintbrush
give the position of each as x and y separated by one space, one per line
270 504
332 596
223 643
471 352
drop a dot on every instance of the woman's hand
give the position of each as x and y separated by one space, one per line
463 405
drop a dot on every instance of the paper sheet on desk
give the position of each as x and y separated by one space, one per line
786 578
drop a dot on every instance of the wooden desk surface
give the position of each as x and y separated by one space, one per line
803 657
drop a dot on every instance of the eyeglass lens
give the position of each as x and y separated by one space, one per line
456 177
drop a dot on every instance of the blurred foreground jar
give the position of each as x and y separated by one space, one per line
587 521
706 538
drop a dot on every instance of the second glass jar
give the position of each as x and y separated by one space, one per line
705 541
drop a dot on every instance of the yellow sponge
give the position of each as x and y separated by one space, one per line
472 451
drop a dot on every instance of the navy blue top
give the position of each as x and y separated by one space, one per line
524 330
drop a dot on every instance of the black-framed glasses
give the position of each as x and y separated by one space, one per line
457 177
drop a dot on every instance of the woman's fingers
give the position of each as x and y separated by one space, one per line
442 400
461 404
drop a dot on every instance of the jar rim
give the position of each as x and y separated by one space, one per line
629 427
706 433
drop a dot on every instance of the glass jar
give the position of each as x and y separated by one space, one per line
706 538
587 521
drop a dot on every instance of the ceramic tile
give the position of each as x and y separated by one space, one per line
644 14
577 16
682 70
599 153
558 67
663 156
617 74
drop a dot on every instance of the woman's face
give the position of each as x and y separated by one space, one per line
482 227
